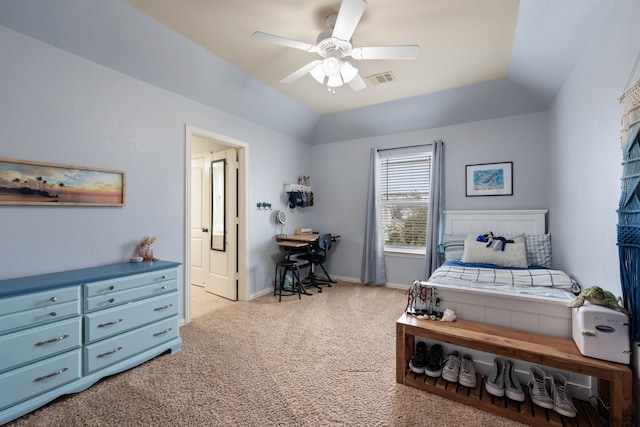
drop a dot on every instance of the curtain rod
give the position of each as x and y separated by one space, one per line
406 146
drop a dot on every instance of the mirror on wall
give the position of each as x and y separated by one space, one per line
218 205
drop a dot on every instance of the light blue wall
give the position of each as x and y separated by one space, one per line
114 34
445 108
340 179
567 161
585 156
59 108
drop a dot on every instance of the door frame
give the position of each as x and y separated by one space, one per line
243 229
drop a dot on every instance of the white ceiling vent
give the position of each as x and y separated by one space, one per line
377 79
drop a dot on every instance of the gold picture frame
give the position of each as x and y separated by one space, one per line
25 182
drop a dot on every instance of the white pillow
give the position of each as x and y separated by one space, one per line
514 254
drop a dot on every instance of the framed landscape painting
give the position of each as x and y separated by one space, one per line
32 183
490 179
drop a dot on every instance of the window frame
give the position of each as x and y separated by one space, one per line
401 160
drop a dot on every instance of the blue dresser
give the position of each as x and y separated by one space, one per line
62 332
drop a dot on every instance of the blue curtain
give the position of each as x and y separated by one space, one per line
373 264
629 209
436 205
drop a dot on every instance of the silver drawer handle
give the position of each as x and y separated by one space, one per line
164 288
111 287
115 350
162 332
113 322
111 300
53 299
163 307
52 340
53 374
53 314
164 277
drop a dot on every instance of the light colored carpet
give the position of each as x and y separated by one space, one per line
325 360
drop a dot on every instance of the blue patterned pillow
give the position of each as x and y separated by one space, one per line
538 249
453 246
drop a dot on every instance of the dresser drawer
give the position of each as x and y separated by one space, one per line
105 323
99 302
115 349
24 310
38 316
22 383
28 345
107 287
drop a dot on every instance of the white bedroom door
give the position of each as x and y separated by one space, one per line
214 243
199 228
223 211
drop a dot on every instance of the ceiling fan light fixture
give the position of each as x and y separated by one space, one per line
318 73
348 71
335 81
331 66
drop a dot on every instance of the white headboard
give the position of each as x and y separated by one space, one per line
509 221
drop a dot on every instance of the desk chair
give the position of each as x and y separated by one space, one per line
317 256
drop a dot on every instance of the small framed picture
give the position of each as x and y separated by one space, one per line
489 179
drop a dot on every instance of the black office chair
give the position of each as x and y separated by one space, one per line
317 256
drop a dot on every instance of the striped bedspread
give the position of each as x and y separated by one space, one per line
539 281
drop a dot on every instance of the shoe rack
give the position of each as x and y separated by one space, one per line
553 352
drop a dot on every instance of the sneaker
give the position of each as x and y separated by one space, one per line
538 388
495 381
512 387
467 375
451 369
419 359
562 402
434 362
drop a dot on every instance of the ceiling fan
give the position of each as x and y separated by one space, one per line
334 44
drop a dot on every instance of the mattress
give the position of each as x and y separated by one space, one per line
542 282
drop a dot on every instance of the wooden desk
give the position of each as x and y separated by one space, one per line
291 244
306 237
298 241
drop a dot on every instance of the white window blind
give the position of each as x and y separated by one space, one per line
405 187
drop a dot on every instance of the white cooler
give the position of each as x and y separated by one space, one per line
602 333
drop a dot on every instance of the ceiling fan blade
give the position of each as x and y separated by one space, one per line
270 38
301 71
348 17
386 52
357 83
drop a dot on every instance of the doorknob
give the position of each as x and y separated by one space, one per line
205 230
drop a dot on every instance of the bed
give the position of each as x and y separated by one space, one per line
531 297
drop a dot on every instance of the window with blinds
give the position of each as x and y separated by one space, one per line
405 187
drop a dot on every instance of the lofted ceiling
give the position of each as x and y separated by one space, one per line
462 42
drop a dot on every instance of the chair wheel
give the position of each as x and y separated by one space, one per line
320 291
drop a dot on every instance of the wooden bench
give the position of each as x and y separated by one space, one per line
614 380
